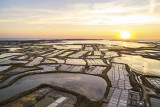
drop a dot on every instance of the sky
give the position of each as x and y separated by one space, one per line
104 19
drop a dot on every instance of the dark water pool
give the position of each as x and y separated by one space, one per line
92 86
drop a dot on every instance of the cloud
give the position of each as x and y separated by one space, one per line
152 6
3 20
84 12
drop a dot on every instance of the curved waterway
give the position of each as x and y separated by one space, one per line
93 87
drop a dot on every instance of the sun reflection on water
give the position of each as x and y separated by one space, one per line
124 44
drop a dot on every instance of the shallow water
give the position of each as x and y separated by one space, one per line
58 60
138 63
76 47
9 54
75 61
82 83
141 51
2 68
105 42
13 49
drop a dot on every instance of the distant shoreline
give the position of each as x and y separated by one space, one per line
35 39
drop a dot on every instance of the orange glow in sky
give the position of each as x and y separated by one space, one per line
102 19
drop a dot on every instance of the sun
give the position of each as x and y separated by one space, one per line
125 35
